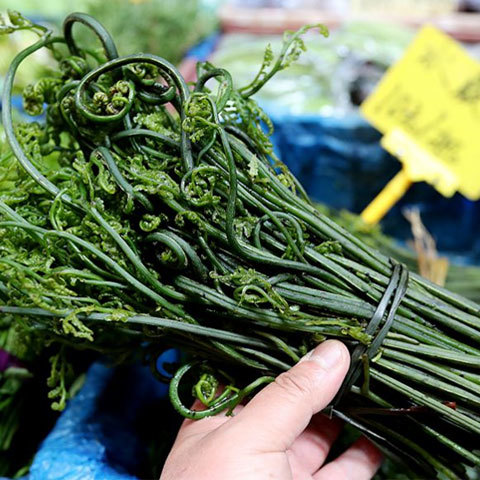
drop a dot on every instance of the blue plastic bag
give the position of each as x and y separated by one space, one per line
97 436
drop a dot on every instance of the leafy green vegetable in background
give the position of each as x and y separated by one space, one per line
163 27
150 214
325 78
37 67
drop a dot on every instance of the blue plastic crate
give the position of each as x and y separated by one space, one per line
340 162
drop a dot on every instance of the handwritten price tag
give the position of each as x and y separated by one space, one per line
428 107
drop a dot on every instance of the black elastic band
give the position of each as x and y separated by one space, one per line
388 305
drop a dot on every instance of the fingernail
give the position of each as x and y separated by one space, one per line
329 354
306 356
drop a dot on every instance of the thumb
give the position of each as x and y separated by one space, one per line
281 411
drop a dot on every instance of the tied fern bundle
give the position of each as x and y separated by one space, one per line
461 279
145 213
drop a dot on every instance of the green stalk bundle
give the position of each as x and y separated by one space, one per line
148 213
461 279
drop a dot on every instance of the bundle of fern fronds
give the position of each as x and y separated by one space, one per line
148 213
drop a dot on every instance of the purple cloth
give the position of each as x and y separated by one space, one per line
8 360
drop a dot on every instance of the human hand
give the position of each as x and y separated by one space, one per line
279 434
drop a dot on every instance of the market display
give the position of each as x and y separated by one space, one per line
145 213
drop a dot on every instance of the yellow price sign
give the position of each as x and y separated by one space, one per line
428 107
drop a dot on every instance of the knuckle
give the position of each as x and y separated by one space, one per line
295 384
